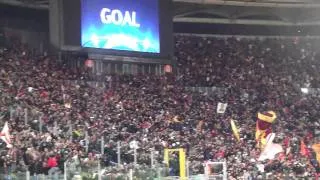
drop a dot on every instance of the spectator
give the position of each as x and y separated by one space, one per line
65 112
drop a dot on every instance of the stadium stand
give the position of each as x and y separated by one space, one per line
57 115
255 75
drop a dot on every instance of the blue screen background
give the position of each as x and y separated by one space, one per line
95 34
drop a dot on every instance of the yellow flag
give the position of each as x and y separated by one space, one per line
316 149
235 130
77 133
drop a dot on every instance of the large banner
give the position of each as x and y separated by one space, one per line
120 25
221 108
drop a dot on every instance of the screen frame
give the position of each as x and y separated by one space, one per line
120 51
72 31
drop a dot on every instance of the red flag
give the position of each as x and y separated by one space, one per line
44 94
303 149
52 162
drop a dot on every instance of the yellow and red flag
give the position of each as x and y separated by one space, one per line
263 126
316 149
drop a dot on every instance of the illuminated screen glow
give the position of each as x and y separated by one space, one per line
120 25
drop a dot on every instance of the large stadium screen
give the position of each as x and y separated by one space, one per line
121 25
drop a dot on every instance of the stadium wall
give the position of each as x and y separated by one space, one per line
245 36
29 24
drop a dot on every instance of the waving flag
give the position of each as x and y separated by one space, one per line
316 149
235 130
264 127
303 149
271 149
5 135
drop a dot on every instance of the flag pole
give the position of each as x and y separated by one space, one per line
40 123
25 116
102 145
119 153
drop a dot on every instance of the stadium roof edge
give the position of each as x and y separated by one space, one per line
253 4
241 21
44 4
26 5
247 36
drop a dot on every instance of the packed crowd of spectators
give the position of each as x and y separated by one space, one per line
258 74
158 111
